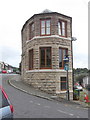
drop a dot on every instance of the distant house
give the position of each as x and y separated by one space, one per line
85 81
5 66
1 66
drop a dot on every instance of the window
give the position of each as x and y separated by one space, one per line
31 30
30 59
62 28
0 99
45 57
63 83
45 27
3 100
62 53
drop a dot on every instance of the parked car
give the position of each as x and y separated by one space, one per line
9 71
6 108
78 87
18 72
4 71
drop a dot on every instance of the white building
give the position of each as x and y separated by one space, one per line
85 81
5 66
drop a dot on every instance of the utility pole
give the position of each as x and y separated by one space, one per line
67 87
72 39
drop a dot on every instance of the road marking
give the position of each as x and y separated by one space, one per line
65 112
62 111
71 114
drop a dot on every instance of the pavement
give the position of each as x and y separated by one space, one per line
17 83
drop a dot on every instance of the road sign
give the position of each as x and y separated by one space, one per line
66 67
66 59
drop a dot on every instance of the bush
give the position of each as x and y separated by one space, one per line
76 94
88 87
80 79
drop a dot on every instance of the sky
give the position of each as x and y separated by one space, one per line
14 13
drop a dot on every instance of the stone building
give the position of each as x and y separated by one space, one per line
46 39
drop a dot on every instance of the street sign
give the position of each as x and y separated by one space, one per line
66 67
66 59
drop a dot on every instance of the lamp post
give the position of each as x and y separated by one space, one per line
72 39
66 67
68 98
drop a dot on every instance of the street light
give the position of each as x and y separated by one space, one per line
72 39
66 67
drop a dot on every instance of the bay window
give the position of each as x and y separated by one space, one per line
45 27
31 29
45 57
30 59
62 53
62 28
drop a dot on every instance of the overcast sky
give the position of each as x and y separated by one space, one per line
14 13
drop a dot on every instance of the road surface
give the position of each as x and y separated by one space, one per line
28 106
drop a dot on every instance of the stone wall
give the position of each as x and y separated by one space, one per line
48 80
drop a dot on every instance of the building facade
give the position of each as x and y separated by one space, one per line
46 40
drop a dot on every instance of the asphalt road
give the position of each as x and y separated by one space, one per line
28 106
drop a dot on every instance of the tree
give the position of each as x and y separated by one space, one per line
80 79
20 66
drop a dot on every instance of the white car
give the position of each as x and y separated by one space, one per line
78 87
6 108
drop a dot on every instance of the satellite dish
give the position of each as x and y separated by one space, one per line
47 11
73 38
